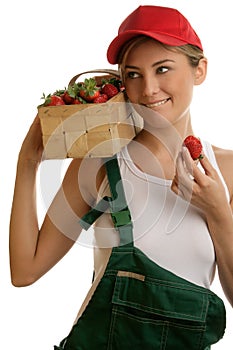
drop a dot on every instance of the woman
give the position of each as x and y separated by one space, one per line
181 210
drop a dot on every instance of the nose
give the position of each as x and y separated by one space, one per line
150 86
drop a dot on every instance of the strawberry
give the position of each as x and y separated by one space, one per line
114 81
53 100
70 94
101 98
89 90
67 98
84 92
194 146
109 89
78 101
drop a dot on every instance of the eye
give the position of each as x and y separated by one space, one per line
162 70
132 75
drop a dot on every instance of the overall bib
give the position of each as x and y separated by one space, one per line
138 304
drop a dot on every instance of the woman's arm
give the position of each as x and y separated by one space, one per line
221 226
34 250
206 191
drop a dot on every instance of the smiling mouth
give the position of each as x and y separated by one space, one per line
157 104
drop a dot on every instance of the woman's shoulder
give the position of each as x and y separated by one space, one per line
87 172
88 162
223 155
224 158
81 183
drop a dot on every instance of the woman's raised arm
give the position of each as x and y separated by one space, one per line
34 250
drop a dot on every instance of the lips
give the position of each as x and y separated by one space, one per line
157 103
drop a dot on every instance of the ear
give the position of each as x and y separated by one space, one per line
200 71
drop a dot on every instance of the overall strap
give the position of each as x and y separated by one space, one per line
117 203
119 209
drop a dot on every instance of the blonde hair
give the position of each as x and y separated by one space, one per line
193 53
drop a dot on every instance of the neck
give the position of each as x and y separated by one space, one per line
155 150
168 137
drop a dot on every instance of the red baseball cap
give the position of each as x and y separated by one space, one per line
164 24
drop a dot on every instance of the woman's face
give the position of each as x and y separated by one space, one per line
160 80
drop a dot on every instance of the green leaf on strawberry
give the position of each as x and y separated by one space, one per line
89 90
52 100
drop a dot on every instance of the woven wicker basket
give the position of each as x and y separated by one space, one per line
88 130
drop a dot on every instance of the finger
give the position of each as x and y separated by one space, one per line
202 173
176 188
194 169
182 183
207 166
184 168
182 190
189 163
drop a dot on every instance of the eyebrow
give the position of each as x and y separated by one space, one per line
153 65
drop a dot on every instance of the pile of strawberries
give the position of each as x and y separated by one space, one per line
84 92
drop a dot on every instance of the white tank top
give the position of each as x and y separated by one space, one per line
170 231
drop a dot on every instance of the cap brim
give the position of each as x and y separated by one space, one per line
117 43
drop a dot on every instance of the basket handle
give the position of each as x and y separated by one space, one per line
106 71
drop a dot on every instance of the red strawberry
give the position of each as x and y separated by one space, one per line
53 100
194 146
78 101
67 98
101 98
110 90
89 90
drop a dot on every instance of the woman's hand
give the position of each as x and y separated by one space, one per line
201 186
32 147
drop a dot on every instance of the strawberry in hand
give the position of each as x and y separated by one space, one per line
194 146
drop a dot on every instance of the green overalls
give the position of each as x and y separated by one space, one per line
138 304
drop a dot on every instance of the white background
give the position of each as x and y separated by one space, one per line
44 44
